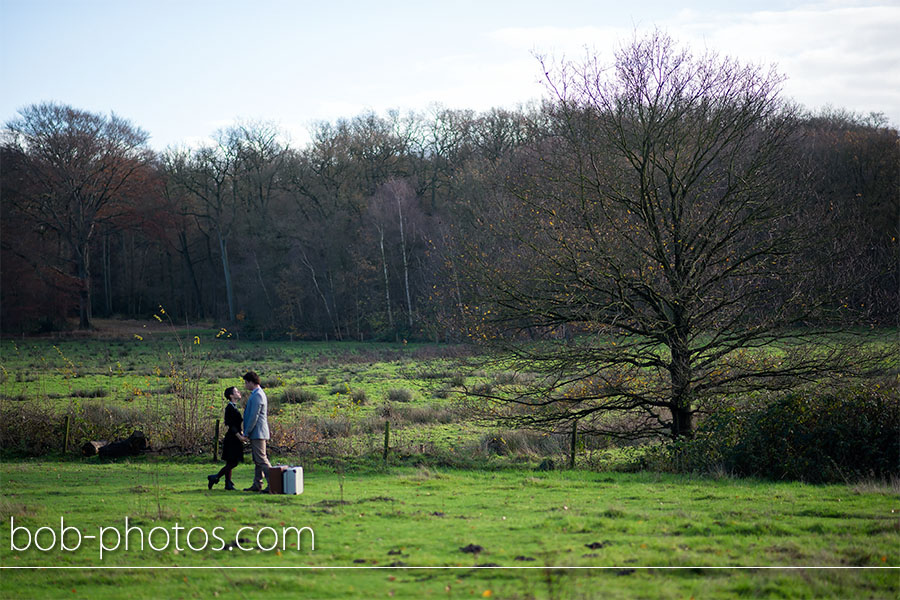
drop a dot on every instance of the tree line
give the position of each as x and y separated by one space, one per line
394 226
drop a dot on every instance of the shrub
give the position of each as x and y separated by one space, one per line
508 378
28 429
429 374
36 428
298 395
100 421
400 395
274 406
458 380
433 413
359 397
340 388
482 389
523 442
94 393
271 382
832 436
333 427
321 380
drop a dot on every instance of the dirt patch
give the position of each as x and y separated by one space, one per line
121 329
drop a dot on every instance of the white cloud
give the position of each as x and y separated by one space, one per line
844 56
833 53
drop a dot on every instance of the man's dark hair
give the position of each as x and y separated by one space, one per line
228 392
252 377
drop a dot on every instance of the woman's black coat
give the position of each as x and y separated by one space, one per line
232 447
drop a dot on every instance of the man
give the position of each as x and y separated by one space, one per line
256 428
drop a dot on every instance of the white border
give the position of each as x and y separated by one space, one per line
453 567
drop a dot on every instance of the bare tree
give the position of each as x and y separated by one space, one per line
258 176
181 203
394 209
380 221
81 166
207 173
654 229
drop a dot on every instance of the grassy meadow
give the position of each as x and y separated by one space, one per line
428 523
637 524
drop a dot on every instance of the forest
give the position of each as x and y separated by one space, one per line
385 226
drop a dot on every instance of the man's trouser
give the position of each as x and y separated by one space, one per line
261 461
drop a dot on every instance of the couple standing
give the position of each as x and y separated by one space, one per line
255 426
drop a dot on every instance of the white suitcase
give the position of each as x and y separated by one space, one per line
293 480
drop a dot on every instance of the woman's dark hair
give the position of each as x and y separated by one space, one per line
252 377
228 392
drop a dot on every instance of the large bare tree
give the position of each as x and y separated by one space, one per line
656 227
81 166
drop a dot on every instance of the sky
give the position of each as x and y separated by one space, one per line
182 69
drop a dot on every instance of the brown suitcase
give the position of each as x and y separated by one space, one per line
275 477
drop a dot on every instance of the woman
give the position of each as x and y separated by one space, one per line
233 445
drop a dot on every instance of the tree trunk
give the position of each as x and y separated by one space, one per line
84 275
387 285
337 313
312 272
405 265
92 447
107 275
170 276
185 252
262 283
131 275
680 370
229 292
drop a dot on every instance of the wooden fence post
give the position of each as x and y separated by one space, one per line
216 443
574 440
66 439
387 439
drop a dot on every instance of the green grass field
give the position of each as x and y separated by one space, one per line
632 525
342 383
394 530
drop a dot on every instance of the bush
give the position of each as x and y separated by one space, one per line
271 382
275 405
429 374
94 393
458 380
828 437
512 378
333 427
340 388
297 395
36 428
98 421
433 413
359 397
28 429
483 389
400 395
522 442
321 380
